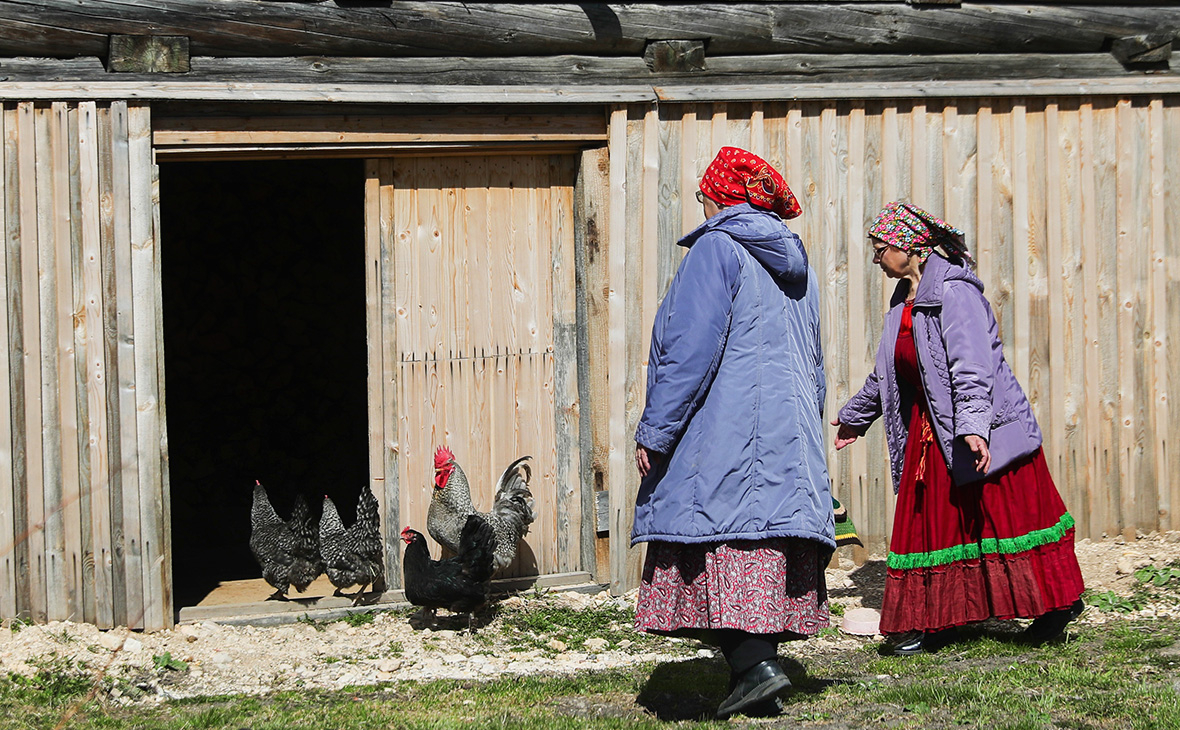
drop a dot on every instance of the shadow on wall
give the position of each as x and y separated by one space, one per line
265 351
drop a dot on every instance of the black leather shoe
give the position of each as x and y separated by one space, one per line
1051 625
760 683
916 642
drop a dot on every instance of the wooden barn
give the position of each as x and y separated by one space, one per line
305 243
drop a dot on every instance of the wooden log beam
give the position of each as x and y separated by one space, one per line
581 72
68 28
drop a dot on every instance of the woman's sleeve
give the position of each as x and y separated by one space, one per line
965 333
683 363
865 407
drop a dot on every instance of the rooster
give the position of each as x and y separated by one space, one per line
288 555
353 556
450 506
460 584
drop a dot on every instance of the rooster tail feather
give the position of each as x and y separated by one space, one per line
514 502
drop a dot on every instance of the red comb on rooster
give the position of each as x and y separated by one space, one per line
444 464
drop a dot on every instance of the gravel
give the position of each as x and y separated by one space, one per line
224 659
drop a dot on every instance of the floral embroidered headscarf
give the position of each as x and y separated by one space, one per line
738 176
909 228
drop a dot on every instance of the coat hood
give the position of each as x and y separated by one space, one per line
938 271
763 234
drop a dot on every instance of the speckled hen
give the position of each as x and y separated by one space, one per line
285 551
354 556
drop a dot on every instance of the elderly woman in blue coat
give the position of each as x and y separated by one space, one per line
735 501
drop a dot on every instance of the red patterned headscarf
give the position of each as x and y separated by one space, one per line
736 176
917 233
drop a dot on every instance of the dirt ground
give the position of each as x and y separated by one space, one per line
223 659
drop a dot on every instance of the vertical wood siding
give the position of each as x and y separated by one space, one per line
83 504
1072 206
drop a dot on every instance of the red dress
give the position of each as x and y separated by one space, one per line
1001 547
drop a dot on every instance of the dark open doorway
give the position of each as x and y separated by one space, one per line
265 350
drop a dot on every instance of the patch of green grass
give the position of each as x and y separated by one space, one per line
836 609
358 619
56 681
535 626
166 662
309 621
1111 602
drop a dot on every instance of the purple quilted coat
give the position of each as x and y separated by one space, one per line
969 387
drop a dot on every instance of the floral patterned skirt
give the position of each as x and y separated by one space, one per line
773 586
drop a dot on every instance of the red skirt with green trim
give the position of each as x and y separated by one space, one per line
999 548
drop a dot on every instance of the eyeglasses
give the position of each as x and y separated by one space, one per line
700 196
878 252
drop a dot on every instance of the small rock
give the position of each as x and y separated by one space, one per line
188 630
556 645
705 653
132 644
596 644
110 640
1125 566
384 676
221 657
389 665
445 634
625 644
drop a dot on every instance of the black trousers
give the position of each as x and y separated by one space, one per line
744 650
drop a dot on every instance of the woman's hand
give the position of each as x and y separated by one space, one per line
983 457
645 459
844 434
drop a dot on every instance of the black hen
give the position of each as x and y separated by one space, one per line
288 554
461 583
353 556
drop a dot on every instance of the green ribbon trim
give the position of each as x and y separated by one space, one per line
989 546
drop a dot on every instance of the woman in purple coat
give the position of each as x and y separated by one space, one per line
980 530
735 504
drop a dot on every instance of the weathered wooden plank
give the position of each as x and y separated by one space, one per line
163 571
567 403
390 313
1171 205
872 507
85 567
1130 303
1033 257
358 129
1067 281
1053 407
580 72
1158 343
68 506
1094 501
124 297
30 417
591 231
633 287
46 27
618 437
1106 230
108 217
860 355
147 312
375 350
689 182
8 535
674 197
50 417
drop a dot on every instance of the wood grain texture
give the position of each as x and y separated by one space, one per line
54 28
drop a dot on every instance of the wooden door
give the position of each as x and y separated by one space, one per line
473 285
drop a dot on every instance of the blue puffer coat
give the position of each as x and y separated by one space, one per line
735 391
